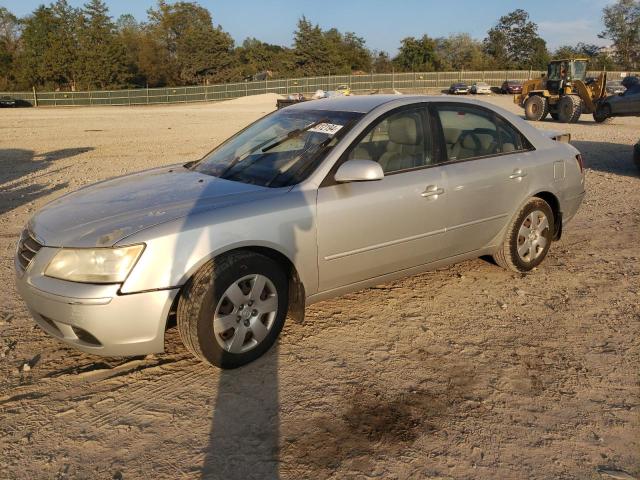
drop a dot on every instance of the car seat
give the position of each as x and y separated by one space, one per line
405 147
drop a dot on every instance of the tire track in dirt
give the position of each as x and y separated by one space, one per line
178 382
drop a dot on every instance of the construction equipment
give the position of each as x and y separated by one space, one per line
563 92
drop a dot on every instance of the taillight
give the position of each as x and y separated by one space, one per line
580 162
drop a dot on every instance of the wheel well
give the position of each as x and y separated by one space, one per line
553 202
296 288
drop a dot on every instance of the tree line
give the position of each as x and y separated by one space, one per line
65 48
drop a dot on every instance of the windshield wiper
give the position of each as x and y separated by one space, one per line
293 134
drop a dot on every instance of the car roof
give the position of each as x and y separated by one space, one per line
352 103
367 103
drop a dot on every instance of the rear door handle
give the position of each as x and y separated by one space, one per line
432 191
518 173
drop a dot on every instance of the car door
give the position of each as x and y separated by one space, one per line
485 169
630 104
368 229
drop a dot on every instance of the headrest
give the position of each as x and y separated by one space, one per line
469 142
403 130
451 135
485 139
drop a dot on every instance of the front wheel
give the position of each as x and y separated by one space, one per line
536 108
528 237
602 113
233 309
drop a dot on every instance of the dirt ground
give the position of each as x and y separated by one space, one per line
465 372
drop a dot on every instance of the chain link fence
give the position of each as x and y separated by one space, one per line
423 82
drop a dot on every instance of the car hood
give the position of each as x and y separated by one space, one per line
104 213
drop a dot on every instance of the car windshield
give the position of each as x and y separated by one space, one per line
279 150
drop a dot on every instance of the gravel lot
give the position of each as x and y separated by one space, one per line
465 372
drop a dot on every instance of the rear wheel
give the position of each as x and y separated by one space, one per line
569 109
528 237
233 309
536 108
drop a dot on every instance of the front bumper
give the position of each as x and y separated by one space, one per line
95 318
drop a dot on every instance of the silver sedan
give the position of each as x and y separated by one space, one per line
307 203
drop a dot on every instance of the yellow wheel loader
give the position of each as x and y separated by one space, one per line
563 92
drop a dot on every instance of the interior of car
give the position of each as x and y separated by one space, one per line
396 143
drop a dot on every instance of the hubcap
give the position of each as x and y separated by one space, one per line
532 236
245 313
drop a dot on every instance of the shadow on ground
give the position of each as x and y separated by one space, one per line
608 157
16 164
244 438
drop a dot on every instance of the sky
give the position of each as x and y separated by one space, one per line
383 23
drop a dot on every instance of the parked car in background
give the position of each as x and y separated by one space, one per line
624 104
480 88
289 212
343 90
8 102
511 86
459 89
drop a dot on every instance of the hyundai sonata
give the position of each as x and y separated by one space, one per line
305 204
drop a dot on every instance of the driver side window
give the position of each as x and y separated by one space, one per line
397 142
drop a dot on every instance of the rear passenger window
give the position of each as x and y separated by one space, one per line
471 132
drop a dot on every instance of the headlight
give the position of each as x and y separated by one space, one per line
99 265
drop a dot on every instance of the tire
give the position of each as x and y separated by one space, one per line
636 155
569 109
517 253
602 113
234 340
536 108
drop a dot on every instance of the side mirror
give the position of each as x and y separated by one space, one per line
359 171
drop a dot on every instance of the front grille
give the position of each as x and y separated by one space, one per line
28 246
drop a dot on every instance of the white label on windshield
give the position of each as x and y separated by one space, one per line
328 128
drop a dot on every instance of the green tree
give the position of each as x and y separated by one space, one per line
382 63
61 51
30 66
460 51
254 56
622 26
130 33
102 60
417 55
540 57
514 42
312 50
194 47
597 60
9 37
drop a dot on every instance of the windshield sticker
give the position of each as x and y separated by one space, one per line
328 128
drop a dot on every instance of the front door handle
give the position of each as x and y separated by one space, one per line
432 191
518 173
